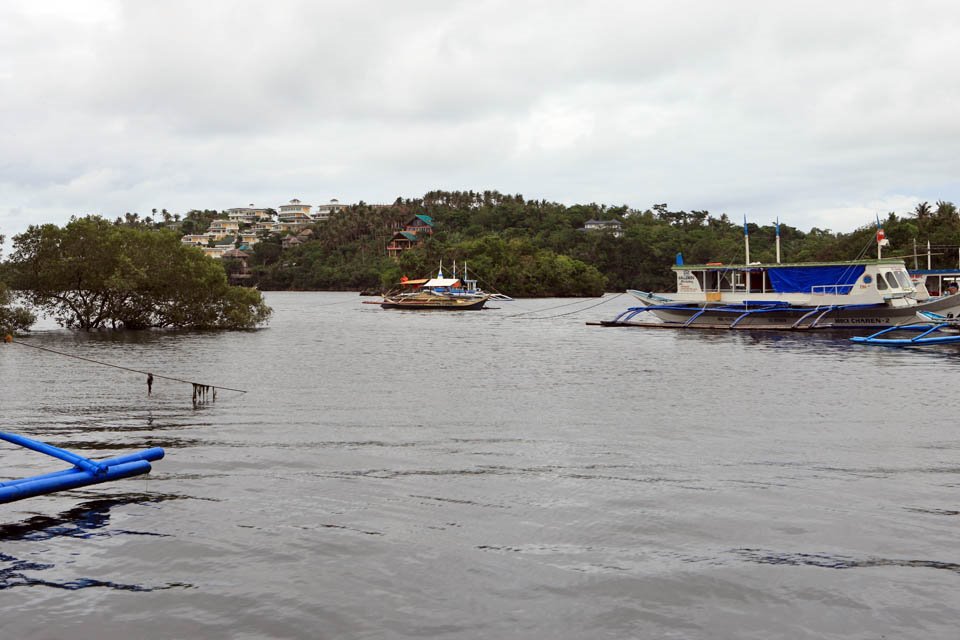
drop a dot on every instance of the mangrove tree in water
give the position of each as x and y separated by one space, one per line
93 274
13 319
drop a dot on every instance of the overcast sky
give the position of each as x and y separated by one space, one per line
822 113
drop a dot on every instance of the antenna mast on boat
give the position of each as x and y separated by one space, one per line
746 240
928 256
778 239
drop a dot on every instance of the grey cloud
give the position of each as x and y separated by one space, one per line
809 110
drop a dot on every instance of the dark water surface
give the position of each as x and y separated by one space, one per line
397 474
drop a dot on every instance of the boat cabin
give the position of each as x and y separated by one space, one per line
936 281
884 279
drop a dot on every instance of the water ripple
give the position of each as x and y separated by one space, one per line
831 561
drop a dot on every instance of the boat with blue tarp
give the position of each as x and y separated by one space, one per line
872 293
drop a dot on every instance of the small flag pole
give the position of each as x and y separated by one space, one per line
879 239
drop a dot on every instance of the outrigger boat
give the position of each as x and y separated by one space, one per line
932 329
440 293
827 295
83 473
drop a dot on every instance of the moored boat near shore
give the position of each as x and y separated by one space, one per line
440 293
827 295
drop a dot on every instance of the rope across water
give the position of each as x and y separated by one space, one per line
567 304
150 375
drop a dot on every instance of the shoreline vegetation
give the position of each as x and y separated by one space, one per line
135 273
92 274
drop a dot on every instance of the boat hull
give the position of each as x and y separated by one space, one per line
435 304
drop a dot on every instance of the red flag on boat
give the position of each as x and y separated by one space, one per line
881 236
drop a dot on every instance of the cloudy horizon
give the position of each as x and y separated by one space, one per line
819 114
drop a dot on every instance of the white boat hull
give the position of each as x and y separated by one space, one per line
786 316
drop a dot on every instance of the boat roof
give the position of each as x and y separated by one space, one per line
442 282
719 266
935 272
413 283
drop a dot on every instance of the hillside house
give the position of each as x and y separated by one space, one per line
249 215
290 241
293 216
324 211
411 235
220 229
198 239
613 226
239 271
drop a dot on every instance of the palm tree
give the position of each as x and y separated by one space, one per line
946 210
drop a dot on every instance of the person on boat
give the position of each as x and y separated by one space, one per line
952 288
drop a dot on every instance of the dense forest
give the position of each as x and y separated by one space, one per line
538 248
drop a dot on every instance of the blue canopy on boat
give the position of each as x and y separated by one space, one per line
806 279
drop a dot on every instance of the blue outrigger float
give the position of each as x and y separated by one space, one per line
83 473
929 325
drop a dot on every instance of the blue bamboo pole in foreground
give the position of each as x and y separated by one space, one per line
84 471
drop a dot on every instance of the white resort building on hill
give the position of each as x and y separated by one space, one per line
250 215
243 226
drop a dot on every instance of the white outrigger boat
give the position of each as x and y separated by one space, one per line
827 295
440 293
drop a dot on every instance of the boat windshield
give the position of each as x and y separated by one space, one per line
904 280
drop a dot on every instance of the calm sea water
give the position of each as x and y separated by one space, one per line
486 475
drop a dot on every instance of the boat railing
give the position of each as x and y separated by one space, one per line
901 294
830 289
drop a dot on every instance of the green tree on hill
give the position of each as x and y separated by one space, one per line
92 274
348 251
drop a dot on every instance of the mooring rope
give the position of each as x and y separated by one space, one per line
559 306
560 315
488 285
333 304
150 375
